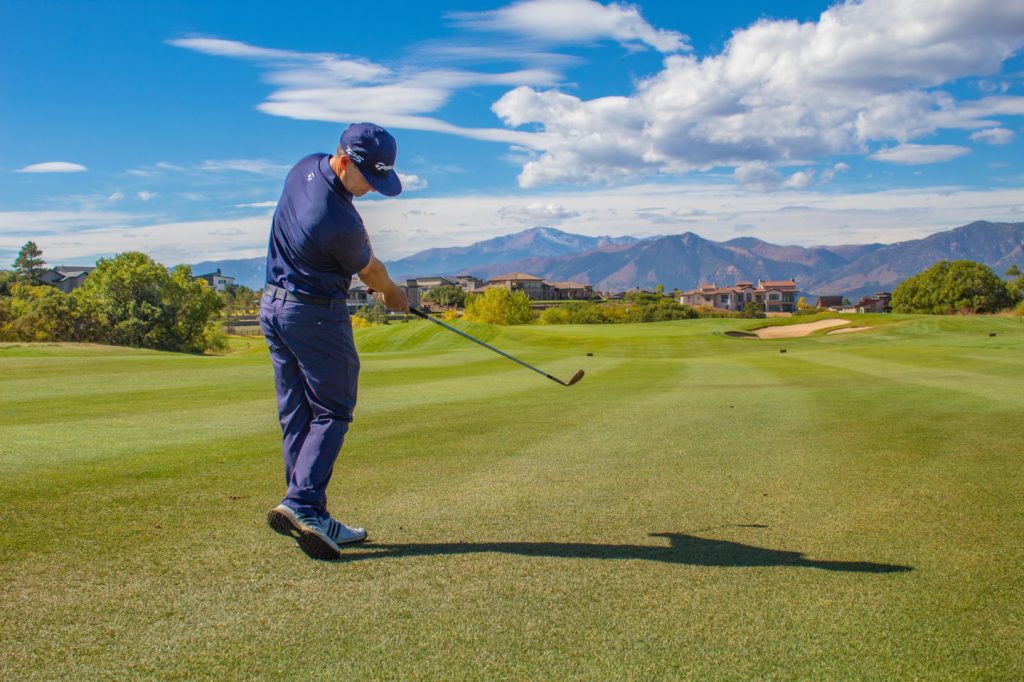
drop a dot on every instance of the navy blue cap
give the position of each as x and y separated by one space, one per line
373 150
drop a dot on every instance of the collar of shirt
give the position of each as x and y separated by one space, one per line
333 180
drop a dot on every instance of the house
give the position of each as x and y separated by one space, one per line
777 296
359 296
569 291
829 302
531 285
713 296
771 296
428 283
220 282
66 277
468 282
879 303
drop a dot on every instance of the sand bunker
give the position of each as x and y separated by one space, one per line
794 330
847 329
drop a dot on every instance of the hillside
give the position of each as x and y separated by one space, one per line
684 260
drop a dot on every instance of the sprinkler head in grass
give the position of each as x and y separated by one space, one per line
782 350
590 355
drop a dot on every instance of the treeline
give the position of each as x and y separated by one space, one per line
501 306
128 300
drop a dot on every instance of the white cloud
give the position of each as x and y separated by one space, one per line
328 87
781 90
146 195
995 136
116 196
829 174
258 204
402 226
255 166
757 177
537 213
53 167
799 180
914 154
412 183
73 235
574 21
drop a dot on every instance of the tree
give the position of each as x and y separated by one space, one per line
373 314
40 313
240 300
1016 285
950 287
447 296
29 264
7 280
499 306
752 309
131 300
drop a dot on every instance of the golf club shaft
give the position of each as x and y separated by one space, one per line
420 313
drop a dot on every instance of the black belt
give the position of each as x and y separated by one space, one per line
276 292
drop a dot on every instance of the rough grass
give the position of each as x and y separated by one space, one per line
698 506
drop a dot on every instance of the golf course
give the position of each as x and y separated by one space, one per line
701 505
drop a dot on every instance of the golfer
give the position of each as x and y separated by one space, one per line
317 243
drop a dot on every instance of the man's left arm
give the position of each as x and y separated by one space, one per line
375 276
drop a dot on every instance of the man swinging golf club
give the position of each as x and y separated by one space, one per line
317 243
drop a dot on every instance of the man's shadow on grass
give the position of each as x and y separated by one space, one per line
682 549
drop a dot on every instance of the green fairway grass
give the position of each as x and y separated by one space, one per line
699 506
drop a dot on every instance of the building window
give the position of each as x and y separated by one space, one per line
774 297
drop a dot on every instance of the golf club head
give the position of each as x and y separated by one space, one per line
575 377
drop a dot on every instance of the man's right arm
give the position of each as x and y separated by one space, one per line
376 277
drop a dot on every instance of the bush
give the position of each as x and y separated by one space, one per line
950 287
752 310
711 311
40 313
447 296
499 306
131 300
650 309
372 314
359 322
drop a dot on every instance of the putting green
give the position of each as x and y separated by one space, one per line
697 506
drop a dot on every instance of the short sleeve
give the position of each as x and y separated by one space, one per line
350 247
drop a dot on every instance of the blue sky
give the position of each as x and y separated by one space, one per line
167 127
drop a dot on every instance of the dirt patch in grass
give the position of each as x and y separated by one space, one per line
794 330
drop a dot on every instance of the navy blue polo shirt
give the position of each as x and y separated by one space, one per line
317 239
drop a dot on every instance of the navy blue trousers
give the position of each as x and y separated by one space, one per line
316 373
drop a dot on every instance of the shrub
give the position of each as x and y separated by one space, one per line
499 306
360 322
952 286
372 314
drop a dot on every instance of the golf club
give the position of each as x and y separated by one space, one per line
575 377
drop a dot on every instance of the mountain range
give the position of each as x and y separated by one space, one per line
683 261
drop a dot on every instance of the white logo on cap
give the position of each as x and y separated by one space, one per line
352 155
383 167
